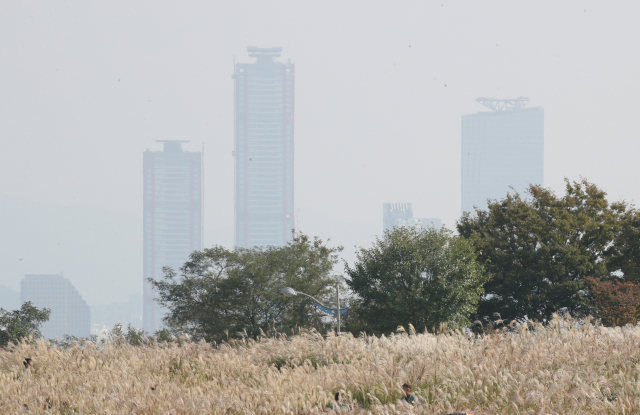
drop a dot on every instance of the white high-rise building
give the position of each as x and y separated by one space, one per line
264 108
172 215
70 314
502 151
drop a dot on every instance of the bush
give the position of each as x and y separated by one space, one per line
617 303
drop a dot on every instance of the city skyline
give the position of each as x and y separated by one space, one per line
379 98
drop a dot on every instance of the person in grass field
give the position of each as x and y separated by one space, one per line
410 398
339 403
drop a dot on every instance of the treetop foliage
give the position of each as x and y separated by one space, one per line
538 250
417 276
22 323
222 292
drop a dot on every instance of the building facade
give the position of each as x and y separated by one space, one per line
401 215
395 213
172 217
70 314
502 151
427 223
264 115
129 313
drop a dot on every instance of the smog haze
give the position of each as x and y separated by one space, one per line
380 89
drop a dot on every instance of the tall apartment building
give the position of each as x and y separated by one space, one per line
70 314
172 216
501 149
264 108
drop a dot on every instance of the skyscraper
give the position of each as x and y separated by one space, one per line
172 205
70 314
501 149
264 108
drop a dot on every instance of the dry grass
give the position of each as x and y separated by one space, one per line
561 369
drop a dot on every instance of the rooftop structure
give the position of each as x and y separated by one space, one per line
510 104
264 54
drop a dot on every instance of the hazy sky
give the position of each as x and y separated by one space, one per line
86 87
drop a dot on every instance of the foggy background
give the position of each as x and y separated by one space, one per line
86 87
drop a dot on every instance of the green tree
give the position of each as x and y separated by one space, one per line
223 292
412 275
538 250
22 323
624 252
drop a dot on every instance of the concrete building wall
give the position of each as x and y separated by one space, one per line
172 217
500 150
264 116
70 314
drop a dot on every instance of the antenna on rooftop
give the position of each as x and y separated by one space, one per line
511 104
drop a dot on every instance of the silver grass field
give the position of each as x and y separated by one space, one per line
562 368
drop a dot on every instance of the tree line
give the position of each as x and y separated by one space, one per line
523 257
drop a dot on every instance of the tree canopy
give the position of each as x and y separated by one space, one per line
222 292
416 276
537 250
22 323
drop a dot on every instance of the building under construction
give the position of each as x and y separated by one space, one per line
264 108
502 151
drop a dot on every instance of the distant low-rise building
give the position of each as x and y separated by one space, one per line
394 212
70 314
424 222
105 316
401 214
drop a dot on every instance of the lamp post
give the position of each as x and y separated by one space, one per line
290 292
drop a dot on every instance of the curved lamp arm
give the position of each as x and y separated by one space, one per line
290 292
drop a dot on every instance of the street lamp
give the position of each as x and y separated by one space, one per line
290 292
